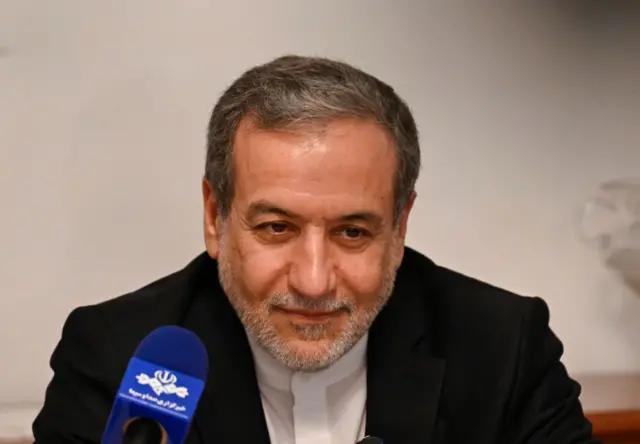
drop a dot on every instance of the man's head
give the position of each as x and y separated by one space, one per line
310 173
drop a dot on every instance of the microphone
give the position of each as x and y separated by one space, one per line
160 390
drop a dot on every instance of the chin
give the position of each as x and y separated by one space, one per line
310 346
307 355
306 347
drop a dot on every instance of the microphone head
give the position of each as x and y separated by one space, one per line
175 348
161 387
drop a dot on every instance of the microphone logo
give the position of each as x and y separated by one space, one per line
166 377
163 383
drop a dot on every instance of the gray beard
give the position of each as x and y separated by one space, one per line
257 322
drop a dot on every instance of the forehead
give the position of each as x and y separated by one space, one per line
344 163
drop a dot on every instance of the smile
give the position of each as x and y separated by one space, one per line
311 316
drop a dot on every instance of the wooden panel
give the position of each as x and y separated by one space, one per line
612 404
617 427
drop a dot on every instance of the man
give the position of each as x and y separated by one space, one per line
321 326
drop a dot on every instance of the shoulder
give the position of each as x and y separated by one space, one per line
459 290
476 325
126 319
160 300
94 348
167 291
468 309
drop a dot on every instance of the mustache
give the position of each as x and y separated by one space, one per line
293 301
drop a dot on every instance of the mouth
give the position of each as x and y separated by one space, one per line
310 316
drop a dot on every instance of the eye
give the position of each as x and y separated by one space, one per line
275 227
353 235
353 232
275 233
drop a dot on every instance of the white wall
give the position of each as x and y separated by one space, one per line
103 107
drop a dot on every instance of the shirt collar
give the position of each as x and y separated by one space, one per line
271 372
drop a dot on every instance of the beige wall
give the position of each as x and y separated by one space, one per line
523 111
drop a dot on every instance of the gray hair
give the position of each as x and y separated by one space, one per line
296 92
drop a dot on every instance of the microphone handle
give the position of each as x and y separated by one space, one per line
144 431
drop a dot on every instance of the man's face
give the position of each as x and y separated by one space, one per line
309 251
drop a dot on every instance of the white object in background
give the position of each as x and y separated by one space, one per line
610 222
15 422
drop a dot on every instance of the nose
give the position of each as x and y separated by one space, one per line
312 272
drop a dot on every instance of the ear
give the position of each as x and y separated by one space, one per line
401 229
211 220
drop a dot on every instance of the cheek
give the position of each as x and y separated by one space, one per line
363 276
260 270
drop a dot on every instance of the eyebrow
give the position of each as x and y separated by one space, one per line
262 207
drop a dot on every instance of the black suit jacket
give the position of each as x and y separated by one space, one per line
451 360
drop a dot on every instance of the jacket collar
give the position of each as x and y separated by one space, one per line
404 371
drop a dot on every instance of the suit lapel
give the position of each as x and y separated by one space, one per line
404 377
230 409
